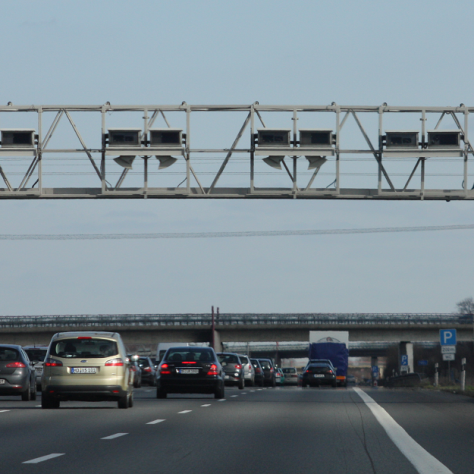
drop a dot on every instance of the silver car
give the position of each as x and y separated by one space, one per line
249 370
37 355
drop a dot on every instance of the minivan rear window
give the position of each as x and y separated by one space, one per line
36 354
78 348
10 355
290 370
265 364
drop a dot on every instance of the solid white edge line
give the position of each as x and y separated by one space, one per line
116 435
43 458
154 422
184 412
421 459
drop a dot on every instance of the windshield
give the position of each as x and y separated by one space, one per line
289 371
84 347
187 354
36 354
265 364
10 355
143 362
228 359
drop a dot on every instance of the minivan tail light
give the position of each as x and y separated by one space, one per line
114 363
213 370
238 366
164 369
271 370
53 363
16 365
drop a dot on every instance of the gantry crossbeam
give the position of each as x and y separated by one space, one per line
220 155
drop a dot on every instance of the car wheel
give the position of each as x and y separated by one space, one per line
45 401
33 392
55 403
26 395
274 383
123 402
130 400
160 393
261 383
334 385
220 392
242 384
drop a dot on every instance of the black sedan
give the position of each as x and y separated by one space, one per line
148 370
17 374
190 369
319 373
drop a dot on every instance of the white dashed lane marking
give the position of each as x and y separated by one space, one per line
116 435
154 422
221 400
3 411
232 396
44 458
207 405
184 412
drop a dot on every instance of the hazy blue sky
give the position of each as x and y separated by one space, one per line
215 52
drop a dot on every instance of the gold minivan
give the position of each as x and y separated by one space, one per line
86 366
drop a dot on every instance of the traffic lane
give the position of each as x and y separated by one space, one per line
301 434
27 431
442 423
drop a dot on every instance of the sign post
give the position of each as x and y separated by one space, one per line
436 382
463 374
447 338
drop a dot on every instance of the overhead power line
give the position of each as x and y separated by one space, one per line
254 233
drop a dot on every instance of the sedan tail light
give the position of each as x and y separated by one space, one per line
53 363
114 363
213 370
164 369
147 369
16 365
258 371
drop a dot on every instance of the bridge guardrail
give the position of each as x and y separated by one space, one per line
117 320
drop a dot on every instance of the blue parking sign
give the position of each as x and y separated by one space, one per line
447 337
404 360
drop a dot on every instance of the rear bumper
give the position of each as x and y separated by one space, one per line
85 392
189 386
314 381
14 384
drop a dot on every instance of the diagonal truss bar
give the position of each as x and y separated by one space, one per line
83 144
412 173
229 154
52 128
29 172
5 179
316 171
376 155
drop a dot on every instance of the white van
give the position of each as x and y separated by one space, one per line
164 346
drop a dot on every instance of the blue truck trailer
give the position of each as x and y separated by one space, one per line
337 353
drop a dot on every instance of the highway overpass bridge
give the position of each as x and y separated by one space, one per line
148 329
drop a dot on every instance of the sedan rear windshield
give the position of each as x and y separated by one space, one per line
36 354
9 355
190 355
143 363
229 359
319 366
88 347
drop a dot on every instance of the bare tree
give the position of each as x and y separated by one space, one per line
466 306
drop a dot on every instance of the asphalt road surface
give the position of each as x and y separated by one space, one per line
282 430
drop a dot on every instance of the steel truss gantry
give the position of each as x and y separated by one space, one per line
292 182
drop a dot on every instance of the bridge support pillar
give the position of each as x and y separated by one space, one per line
216 341
405 352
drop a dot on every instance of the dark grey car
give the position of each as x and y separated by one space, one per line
268 372
17 374
233 369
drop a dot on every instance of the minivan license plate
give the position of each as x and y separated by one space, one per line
83 370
